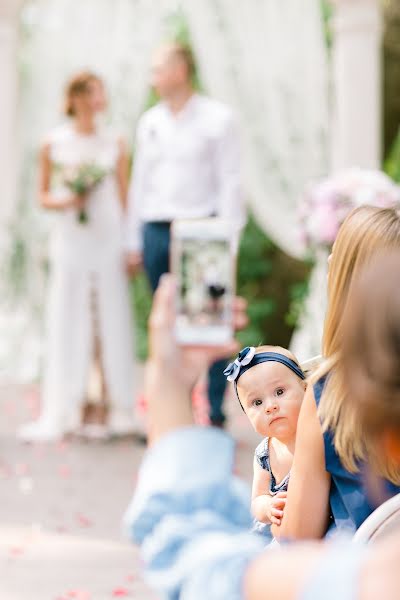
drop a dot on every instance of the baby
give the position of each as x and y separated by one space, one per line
270 386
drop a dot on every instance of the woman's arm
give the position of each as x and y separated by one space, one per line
122 173
47 200
307 506
172 370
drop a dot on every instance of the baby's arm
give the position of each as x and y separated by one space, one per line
265 508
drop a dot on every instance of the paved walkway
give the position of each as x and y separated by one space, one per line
61 509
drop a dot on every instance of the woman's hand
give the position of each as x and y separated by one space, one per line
187 363
76 201
173 370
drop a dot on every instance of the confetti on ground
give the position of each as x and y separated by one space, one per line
64 471
16 551
61 529
32 400
21 469
83 520
61 446
120 592
78 595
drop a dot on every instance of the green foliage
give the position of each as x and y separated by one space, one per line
15 266
392 163
327 12
274 286
297 294
141 301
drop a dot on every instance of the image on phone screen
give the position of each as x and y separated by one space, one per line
203 263
205 282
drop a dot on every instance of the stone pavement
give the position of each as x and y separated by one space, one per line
61 507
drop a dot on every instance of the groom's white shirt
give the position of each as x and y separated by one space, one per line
186 165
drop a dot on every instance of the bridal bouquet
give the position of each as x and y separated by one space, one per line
81 180
327 203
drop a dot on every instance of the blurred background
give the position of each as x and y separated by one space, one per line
275 64
315 85
272 64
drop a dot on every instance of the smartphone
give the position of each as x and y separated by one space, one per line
204 263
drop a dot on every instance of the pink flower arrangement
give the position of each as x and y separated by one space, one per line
327 203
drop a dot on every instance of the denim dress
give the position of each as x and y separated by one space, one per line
262 457
348 497
191 520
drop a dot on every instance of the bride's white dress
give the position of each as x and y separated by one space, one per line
85 259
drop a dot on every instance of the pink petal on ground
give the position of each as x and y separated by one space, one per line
120 592
78 595
64 471
21 469
16 551
83 520
32 400
5 472
130 578
40 449
62 446
61 529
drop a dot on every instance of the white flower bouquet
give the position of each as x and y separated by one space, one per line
81 180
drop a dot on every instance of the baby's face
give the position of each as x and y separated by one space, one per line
271 395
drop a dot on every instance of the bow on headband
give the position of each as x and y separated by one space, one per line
244 358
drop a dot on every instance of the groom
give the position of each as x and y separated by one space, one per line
187 165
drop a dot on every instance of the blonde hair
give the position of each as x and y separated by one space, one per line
77 85
366 232
279 350
370 359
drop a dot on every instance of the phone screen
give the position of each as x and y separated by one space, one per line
204 269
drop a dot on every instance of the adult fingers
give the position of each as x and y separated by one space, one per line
162 312
161 335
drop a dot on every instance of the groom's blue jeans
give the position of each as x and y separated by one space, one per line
156 241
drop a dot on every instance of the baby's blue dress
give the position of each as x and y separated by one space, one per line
348 497
191 518
263 459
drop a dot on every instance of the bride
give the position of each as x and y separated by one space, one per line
88 311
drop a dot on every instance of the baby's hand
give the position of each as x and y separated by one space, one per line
276 508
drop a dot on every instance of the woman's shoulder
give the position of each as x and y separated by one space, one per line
318 387
59 133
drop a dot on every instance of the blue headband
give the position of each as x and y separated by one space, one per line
247 358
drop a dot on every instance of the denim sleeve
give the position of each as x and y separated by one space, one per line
191 517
